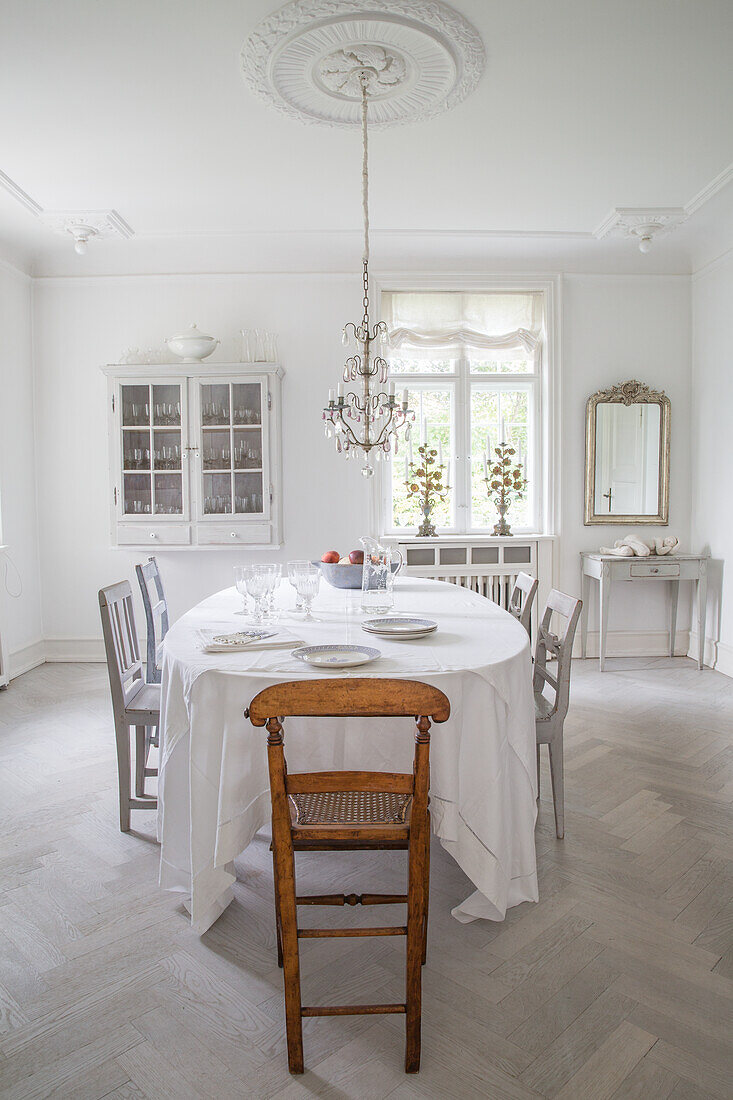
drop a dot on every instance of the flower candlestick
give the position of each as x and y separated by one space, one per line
426 482
506 482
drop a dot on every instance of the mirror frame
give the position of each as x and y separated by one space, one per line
627 393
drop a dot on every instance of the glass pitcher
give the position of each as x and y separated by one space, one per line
377 576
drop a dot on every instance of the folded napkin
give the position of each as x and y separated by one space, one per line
241 641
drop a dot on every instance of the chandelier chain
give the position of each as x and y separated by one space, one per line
379 414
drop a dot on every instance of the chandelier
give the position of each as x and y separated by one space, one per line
370 419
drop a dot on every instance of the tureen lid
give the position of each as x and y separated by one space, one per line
192 332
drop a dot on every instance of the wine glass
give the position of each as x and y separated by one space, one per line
240 581
257 582
307 583
275 573
295 567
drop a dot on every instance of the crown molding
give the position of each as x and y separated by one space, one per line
721 180
13 269
20 195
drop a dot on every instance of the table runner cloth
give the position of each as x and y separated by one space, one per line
213 785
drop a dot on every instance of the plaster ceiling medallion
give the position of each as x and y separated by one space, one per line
87 225
422 56
645 225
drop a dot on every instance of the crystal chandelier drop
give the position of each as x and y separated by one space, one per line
372 419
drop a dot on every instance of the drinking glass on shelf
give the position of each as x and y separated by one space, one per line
294 567
307 583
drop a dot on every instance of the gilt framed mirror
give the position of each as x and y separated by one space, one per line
627 455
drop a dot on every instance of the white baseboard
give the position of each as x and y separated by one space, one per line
635 643
23 660
75 650
60 651
718 655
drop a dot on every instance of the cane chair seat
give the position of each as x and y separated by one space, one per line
372 808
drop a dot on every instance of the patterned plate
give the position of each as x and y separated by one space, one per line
336 656
400 627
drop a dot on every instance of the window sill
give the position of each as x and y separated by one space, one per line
518 536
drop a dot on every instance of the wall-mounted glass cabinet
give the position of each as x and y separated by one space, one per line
195 458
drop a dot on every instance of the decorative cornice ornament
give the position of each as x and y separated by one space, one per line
428 59
644 224
630 393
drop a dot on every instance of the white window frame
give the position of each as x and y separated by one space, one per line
544 410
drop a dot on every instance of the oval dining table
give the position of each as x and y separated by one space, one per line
213 793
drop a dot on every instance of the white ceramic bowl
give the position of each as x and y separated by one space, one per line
344 576
192 345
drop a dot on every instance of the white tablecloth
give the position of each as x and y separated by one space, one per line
213 785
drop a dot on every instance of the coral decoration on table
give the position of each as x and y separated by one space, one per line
632 546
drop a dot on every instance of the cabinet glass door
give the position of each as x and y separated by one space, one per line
232 448
152 449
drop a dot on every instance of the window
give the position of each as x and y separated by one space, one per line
471 363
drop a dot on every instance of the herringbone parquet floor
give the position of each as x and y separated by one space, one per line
618 984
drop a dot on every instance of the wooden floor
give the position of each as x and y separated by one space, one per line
618 984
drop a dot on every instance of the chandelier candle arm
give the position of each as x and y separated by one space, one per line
379 416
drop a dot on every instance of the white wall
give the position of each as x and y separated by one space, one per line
20 598
712 449
82 324
614 328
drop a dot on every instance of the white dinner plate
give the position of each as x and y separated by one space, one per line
404 626
336 656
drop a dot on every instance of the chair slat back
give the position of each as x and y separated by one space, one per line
121 645
156 616
359 698
560 646
522 598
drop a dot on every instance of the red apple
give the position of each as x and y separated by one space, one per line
356 557
330 556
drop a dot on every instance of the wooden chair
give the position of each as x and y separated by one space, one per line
346 811
134 702
156 617
522 598
550 713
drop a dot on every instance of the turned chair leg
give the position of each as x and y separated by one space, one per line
416 917
538 771
285 876
278 923
558 784
427 896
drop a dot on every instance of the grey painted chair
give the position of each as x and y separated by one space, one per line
134 702
156 616
550 712
522 598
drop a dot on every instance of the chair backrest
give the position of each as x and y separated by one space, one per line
121 645
156 615
522 598
358 698
567 608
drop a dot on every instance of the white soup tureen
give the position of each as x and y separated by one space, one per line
192 345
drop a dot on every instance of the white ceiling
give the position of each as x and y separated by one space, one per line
139 105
